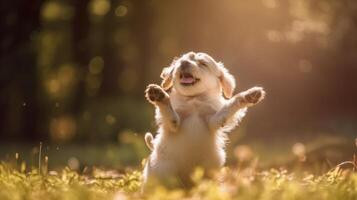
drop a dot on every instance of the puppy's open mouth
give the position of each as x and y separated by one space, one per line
188 79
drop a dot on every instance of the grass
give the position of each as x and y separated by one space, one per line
34 174
234 183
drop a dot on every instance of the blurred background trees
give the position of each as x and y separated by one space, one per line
75 71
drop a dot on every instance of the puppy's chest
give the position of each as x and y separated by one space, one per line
195 114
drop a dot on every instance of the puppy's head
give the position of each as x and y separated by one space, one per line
197 73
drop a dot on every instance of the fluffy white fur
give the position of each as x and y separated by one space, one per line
193 118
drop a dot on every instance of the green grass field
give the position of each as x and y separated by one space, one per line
288 170
233 183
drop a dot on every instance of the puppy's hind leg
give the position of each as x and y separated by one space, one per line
167 116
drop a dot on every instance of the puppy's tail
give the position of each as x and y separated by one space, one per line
149 141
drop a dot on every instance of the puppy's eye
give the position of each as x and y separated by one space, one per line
203 63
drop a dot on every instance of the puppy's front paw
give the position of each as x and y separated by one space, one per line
155 93
254 95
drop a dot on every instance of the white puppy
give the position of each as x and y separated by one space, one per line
193 117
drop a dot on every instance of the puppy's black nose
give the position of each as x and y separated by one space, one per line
185 65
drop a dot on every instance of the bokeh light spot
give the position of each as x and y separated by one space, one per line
299 150
243 153
99 7
63 128
126 136
53 86
110 119
121 11
66 74
73 163
96 65
52 11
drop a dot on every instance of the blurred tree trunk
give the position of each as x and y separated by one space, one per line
80 26
18 105
142 28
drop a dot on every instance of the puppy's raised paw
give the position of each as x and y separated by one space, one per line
254 95
154 93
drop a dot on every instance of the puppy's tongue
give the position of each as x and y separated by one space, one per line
187 80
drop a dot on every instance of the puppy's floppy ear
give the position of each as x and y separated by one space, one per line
167 75
228 82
